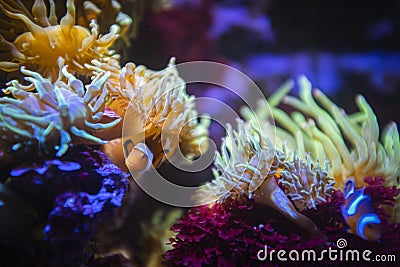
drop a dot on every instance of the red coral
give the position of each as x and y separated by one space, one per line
380 194
231 233
329 219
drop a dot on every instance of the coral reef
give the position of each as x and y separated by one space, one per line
58 190
230 234
36 41
232 230
65 194
248 162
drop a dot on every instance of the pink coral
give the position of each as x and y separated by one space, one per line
232 232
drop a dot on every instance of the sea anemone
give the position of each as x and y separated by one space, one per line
245 161
62 110
249 166
156 108
248 158
306 185
350 142
39 41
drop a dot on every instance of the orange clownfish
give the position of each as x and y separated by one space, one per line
359 214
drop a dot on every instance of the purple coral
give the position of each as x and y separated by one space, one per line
42 180
74 195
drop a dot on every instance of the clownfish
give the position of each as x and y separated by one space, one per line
359 214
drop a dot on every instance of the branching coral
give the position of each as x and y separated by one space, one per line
60 109
328 129
157 103
39 41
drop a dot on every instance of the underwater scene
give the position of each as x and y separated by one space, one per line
199 133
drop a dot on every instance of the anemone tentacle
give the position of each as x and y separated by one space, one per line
320 127
38 41
160 105
248 158
54 107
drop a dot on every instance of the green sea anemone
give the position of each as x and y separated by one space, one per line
350 142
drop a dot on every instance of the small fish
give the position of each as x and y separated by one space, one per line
139 159
359 214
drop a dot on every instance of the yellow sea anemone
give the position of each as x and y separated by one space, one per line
160 106
36 41
60 110
350 142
